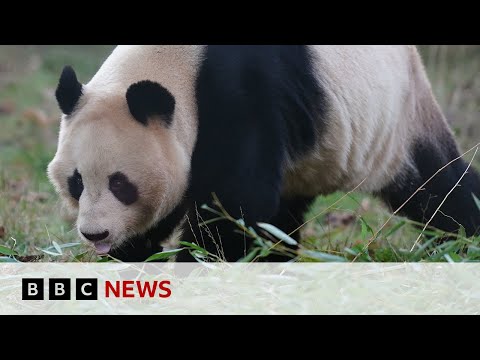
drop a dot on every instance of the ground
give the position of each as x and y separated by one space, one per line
340 227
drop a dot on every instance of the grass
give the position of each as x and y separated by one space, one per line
31 226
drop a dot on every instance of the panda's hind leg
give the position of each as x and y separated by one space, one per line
458 208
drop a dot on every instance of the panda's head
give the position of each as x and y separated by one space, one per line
119 166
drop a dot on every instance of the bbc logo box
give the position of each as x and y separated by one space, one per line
32 289
59 289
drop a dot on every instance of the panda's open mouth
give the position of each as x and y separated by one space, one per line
102 248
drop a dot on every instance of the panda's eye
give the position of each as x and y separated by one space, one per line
116 185
75 185
122 188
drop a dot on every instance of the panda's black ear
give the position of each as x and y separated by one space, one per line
147 98
68 91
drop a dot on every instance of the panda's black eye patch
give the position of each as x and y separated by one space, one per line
122 188
75 185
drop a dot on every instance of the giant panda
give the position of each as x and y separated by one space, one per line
159 129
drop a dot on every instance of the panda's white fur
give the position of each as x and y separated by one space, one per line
372 93
379 103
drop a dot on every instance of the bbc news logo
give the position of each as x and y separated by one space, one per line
87 289
59 289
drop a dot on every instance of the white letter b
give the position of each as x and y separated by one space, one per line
59 289
32 289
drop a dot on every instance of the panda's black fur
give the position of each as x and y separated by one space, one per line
255 109
459 207
69 90
259 109
147 98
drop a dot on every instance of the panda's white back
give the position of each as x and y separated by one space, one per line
371 122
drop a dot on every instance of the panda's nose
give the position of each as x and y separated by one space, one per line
96 237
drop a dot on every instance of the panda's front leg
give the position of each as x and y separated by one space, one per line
218 238
137 249
223 240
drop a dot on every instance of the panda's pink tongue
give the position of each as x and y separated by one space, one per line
102 248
